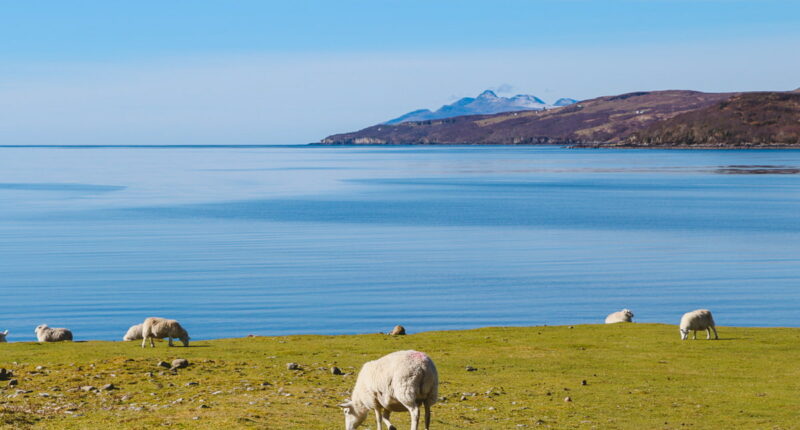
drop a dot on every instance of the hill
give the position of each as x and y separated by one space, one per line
621 376
641 119
604 119
748 119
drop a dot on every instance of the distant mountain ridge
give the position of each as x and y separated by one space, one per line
674 118
485 103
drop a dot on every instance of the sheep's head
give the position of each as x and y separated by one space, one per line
353 416
684 334
184 337
3 336
40 328
627 313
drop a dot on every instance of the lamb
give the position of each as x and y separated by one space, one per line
3 336
700 319
160 328
624 315
134 333
47 334
397 382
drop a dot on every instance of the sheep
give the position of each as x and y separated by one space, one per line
397 382
160 328
47 334
700 319
3 336
134 333
624 315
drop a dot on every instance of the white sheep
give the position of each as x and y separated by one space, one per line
134 333
624 315
700 319
48 334
397 382
3 336
159 328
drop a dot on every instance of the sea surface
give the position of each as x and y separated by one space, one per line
277 240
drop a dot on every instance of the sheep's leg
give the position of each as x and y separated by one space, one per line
378 424
144 342
386 414
694 334
414 411
715 332
152 342
708 333
427 405
170 341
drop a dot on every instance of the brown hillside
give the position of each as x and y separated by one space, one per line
748 119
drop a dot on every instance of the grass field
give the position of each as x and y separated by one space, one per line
637 376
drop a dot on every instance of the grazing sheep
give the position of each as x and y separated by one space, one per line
47 334
624 315
3 336
397 382
134 333
700 319
160 328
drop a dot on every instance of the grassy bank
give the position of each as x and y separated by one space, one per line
638 376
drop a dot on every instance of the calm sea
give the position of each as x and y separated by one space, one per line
280 240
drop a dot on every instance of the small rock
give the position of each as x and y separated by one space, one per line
44 395
568 399
203 407
336 371
463 398
583 382
24 391
265 384
216 392
149 374
5 374
39 367
470 369
88 388
292 366
571 327
189 384
163 364
179 363
109 387
13 382
398 330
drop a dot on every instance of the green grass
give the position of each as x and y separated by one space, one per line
638 376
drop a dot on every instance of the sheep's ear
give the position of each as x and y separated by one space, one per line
346 405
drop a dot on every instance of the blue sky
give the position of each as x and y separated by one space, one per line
261 72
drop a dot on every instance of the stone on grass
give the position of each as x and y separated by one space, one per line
398 330
292 366
163 364
88 388
109 387
336 371
470 369
179 363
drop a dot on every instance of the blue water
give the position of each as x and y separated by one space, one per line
279 240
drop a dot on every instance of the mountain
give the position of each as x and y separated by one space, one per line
486 103
609 119
564 102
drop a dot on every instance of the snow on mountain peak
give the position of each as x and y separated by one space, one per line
485 103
